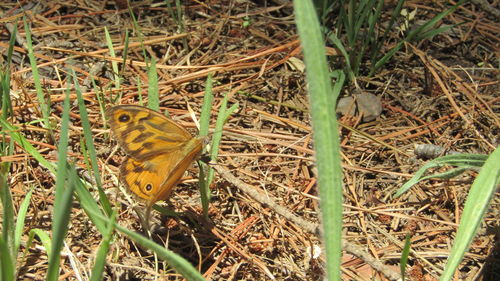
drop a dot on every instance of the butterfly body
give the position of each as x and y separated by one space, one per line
158 150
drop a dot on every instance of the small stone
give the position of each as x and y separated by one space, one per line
346 106
369 105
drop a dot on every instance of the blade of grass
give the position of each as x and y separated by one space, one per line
325 133
44 104
153 98
7 268
5 77
412 35
21 216
206 108
63 197
44 239
181 265
100 259
89 143
7 240
222 117
125 53
403 263
206 111
463 161
478 201
24 144
114 64
138 31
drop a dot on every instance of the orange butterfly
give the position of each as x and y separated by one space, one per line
159 150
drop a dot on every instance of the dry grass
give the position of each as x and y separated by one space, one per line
434 92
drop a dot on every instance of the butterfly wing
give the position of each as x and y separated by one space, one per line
144 133
159 150
155 179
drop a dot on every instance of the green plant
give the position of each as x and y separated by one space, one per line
355 28
325 132
477 202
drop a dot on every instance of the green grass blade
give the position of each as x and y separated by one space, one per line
403 263
222 117
44 105
5 77
100 259
114 64
153 98
413 35
7 239
89 204
478 200
62 212
7 267
138 31
463 161
433 32
336 41
44 239
89 143
325 132
21 216
206 110
63 197
125 53
24 144
181 265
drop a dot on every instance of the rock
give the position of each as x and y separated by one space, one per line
366 104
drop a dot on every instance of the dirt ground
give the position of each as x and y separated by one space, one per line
442 91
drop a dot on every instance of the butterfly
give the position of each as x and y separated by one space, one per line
158 150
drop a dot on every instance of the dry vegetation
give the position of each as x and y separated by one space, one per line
442 91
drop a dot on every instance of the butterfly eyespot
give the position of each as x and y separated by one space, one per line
124 118
149 187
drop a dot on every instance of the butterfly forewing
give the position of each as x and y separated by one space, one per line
144 133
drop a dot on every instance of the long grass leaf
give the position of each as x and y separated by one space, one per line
100 259
24 144
63 197
89 143
403 263
44 240
325 132
21 216
463 161
206 111
476 204
7 242
114 63
42 101
5 77
153 98
177 262
7 268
